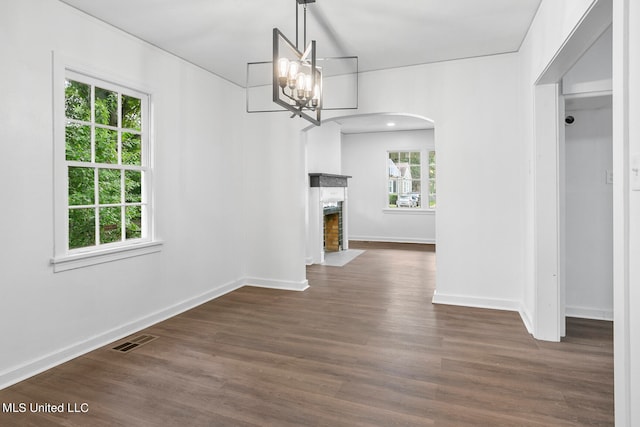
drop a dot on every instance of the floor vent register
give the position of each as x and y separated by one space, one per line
133 343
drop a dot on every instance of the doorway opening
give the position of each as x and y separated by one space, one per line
587 201
549 177
356 148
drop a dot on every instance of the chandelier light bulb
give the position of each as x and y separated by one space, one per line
283 71
283 67
307 88
300 84
294 67
300 81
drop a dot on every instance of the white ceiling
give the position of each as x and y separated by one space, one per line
223 35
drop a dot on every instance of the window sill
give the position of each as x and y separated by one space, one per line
70 262
409 211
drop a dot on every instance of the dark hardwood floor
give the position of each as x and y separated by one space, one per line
363 346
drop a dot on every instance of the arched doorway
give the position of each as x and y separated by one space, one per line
360 146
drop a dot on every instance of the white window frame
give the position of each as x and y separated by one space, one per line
64 258
425 196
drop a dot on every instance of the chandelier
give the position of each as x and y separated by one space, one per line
293 79
297 79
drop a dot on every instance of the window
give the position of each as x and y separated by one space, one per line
432 179
102 168
405 179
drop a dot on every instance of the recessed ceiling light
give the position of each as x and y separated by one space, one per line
391 124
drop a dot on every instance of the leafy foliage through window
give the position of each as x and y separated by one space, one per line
104 154
405 179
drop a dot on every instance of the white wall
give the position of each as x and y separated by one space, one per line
632 322
324 148
589 214
275 195
48 317
364 157
634 214
323 154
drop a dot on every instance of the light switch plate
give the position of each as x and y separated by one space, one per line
635 172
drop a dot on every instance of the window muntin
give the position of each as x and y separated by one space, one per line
405 180
106 162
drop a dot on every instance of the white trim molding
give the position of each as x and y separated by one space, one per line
477 302
409 211
486 303
70 262
392 239
284 285
526 319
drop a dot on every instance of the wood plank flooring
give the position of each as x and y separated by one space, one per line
363 346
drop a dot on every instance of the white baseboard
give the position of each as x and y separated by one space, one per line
509 305
276 284
526 319
41 364
489 303
391 239
588 313
466 301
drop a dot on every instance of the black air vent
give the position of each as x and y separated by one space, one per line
135 342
